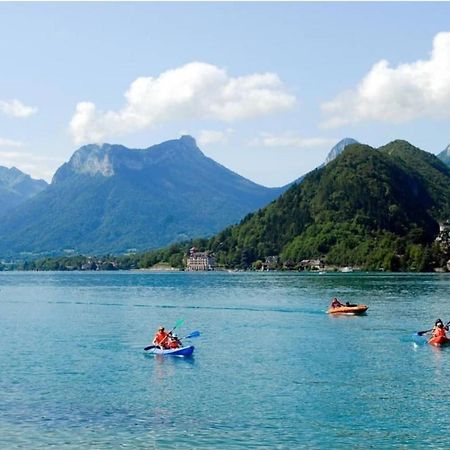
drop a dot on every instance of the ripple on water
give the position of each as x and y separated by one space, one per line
270 369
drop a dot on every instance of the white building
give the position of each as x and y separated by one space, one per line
200 261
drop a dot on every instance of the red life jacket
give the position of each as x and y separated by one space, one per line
173 343
160 337
439 332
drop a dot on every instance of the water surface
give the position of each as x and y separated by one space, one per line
271 369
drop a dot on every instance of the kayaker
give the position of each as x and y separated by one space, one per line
335 303
173 341
438 330
437 324
160 339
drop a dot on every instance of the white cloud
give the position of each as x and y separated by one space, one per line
9 143
398 94
194 91
291 140
207 137
15 108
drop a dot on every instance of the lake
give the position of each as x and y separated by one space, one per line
271 369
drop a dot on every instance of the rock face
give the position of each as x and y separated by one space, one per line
445 155
110 198
339 148
17 187
91 160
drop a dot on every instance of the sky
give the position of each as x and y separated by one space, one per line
265 88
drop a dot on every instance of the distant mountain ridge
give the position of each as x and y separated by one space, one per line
16 187
108 198
445 155
335 151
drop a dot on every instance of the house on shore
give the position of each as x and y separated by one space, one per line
270 263
312 264
200 261
443 238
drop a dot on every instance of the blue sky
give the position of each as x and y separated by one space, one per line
265 88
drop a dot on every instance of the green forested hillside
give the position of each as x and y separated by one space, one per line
378 209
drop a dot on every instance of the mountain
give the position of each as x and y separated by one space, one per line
110 198
339 148
332 154
16 187
445 155
376 208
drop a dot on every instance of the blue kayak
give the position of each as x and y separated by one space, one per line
182 351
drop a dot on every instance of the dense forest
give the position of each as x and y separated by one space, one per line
377 209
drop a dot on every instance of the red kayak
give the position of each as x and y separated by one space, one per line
439 340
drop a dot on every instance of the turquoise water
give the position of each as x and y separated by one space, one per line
271 369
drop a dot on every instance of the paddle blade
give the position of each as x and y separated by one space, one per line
149 347
193 335
178 324
421 333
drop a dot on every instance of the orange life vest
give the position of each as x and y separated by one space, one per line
160 337
439 332
173 343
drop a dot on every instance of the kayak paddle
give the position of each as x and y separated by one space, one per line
179 323
421 333
192 335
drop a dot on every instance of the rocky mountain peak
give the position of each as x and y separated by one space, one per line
188 141
93 159
339 148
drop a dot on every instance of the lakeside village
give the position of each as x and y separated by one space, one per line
196 261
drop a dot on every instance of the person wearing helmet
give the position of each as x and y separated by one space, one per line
160 339
439 329
173 341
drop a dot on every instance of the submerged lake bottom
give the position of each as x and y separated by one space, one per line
270 370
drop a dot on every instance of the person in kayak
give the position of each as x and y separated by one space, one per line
439 329
335 303
173 341
160 339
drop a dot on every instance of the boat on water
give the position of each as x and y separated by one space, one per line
439 341
355 310
182 351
